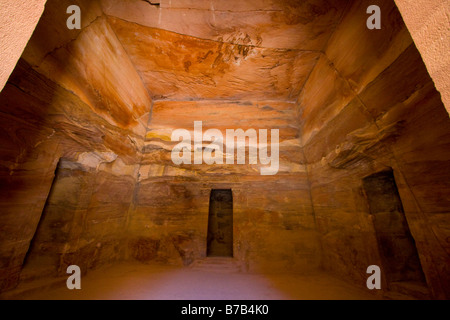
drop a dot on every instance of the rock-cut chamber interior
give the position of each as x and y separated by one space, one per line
89 176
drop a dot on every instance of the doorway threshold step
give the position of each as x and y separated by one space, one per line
217 264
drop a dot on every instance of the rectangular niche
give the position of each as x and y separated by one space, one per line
396 245
220 224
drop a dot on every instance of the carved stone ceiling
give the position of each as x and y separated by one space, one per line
233 50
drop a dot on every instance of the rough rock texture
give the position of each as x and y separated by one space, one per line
281 24
180 67
54 107
273 221
383 114
17 22
86 118
429 24
224 49
82 220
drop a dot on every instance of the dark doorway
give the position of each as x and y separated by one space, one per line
41 259
220 224
50 248
396 244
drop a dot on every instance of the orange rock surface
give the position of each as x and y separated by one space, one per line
86 120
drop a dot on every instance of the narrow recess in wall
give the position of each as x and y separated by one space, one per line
38 258
396 245
220 224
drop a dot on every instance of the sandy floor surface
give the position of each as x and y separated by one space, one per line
145 282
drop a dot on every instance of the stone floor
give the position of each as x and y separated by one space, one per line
144 282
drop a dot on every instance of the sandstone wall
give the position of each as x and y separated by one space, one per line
86 179
369 105
74 95
274 228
